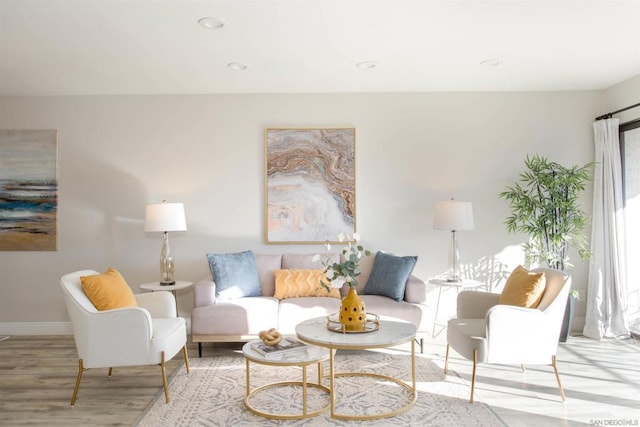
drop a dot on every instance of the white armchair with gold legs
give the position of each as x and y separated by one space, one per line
149 334
485 331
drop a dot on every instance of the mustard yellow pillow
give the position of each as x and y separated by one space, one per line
108 290
301 283
523 288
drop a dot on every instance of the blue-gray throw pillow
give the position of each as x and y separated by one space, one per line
235 275
389 275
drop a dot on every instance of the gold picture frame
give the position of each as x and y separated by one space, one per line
310 184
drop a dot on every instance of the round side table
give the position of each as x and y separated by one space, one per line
310 356
458 286
156 286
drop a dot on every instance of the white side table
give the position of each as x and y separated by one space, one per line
156 286
458 286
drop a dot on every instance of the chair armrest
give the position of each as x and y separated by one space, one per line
204 293
519 335
129 329
415 291
475 304
158 304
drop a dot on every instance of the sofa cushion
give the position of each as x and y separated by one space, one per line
389 275
386 308
304 261
235 275
108 290
366 265
294 283
523 288
295 310
267 264
235 318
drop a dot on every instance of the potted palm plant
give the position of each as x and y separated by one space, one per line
545 206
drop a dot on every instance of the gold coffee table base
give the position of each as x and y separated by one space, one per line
301 361
395 412
411 388
390 333
305 413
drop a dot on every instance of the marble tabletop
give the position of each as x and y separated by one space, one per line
310 354
390 333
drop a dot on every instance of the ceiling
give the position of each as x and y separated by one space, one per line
62 47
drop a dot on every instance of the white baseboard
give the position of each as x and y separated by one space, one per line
35 328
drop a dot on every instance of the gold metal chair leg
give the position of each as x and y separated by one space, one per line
473 374
164 378
186 357
522 367
78 379
446 360
555 369
110 371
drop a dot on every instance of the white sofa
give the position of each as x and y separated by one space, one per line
241 319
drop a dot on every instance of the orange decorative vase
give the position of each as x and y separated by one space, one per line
353 314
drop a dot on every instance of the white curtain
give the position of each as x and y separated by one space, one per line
606 298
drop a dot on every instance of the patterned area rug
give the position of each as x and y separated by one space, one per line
213 394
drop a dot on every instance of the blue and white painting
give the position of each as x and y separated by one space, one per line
28 190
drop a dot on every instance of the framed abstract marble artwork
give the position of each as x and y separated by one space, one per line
310 184
28 190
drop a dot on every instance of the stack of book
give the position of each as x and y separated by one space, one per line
287 345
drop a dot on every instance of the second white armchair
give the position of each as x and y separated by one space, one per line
485 331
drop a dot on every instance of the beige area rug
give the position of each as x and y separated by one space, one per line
213 394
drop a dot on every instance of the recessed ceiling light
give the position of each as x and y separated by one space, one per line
493 62
236 66
367 65
211 23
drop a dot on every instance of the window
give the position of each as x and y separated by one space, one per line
630 155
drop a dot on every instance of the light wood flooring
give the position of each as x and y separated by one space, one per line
601 381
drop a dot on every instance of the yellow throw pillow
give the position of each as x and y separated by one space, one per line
523 288
302 283
108 290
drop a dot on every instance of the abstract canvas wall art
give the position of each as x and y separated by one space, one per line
310 184
28 190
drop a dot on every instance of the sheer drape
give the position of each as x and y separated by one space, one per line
606 299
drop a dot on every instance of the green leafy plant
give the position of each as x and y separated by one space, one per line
545 206
340 273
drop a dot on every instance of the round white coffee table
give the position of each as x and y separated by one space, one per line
390 333
309 356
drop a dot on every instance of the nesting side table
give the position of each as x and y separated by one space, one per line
310 356
156 286
459 287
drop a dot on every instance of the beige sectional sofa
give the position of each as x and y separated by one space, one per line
241 319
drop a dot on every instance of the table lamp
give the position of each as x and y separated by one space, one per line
454 216
164 217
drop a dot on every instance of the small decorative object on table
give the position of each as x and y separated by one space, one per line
371 323
287 345
353 313
270 337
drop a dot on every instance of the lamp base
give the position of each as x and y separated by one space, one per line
167 283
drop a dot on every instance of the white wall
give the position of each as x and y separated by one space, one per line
119 153
623 95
